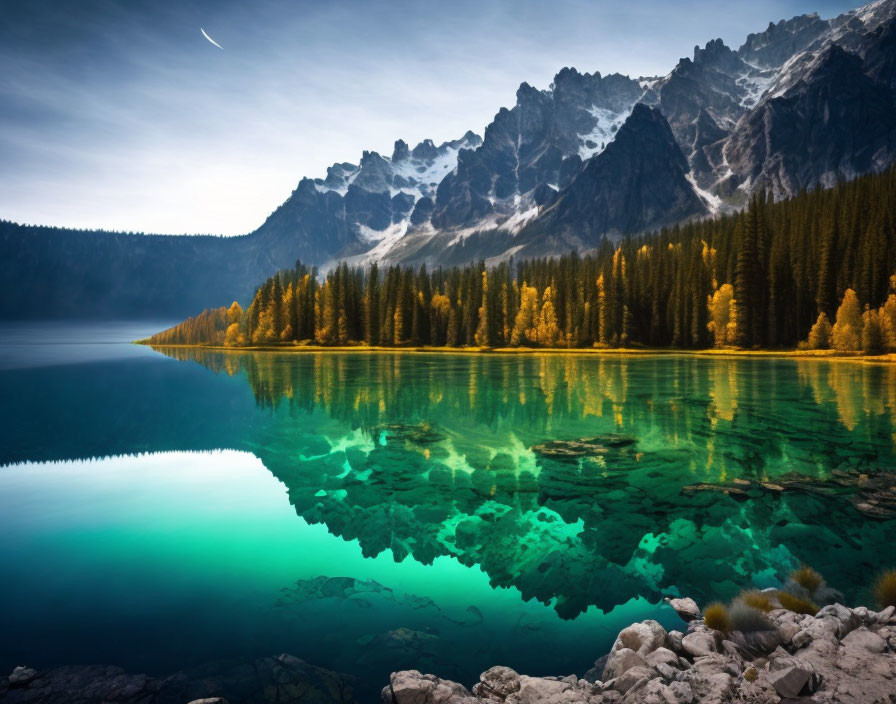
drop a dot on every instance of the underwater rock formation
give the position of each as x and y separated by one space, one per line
838 656
284 679
871 492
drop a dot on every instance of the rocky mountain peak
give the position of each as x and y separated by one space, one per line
401 151
719 56
425 150
782 40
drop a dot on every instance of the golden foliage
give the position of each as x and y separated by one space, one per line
525 327
847 331
820 334
723 316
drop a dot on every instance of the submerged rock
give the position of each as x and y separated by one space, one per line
732 490
570 449
873 494
21 676
272 680
414 433
595 446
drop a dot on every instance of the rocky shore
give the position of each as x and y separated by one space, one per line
837 656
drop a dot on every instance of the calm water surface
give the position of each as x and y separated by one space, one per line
375 512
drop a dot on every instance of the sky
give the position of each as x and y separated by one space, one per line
119 114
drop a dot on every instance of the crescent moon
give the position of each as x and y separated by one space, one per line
204 34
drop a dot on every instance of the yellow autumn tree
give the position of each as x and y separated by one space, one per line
721 305
232 336
525 327
325 331
234 313
288 297
482 328
603 314
846 335
887 317
820 334
548 332
264 332
397 327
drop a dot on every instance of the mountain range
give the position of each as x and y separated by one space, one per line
806 102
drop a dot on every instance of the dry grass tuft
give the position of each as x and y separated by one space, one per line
757 600
716 617
807 578
885 589
797 604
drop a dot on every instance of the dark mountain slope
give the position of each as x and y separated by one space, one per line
638 181
832 123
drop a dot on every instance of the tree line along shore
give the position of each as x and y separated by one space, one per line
815 272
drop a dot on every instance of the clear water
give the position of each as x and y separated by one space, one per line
372 512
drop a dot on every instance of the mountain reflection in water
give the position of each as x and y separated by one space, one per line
660 474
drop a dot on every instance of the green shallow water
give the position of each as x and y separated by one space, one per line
382 511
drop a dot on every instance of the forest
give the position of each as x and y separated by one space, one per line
817 270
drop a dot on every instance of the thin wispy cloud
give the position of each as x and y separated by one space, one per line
122 115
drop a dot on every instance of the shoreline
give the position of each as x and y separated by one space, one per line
826 355
837 654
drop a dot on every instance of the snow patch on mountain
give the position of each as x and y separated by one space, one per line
515 222
607 124
381 240
755 84
874 13
422 176
712 201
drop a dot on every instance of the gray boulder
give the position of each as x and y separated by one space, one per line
862 639
790 681
699 643
686 608
21 676
497 684
620 661
413 687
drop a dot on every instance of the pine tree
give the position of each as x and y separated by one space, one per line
372 307
872 334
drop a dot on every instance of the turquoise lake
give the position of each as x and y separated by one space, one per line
160 509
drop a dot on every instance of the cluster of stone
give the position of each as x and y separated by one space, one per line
838 656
